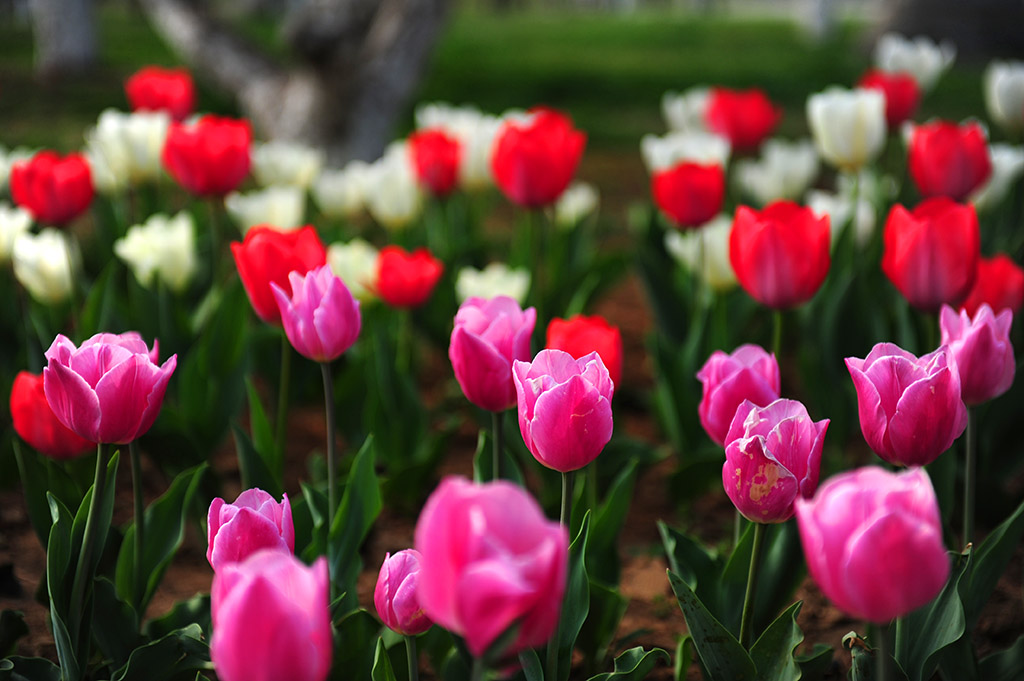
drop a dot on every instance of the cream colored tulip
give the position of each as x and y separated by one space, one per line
392 193
281 207
660 153
285 164
124 149
848 126
1003 86
684 111
1007 167
713 239
161 248
341 193
355 263
575 204
497 279
921 57
44 264
784 171
14 221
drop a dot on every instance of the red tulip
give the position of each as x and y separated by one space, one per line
946 159
54 189
436 156
407 279
781 253
267 256
581 335
689 193
533 161
209 157
902 94
36 424
931 254
153 88
745 117
1000 283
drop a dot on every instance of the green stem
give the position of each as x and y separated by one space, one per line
215 260
83 571
590 486
536 232
479 670
332 477
410 651
565 518
970 465
403 347
140 524
883 654
282 403
498 428
777 334
760 529
737 529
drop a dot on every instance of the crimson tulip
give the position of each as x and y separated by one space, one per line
689 193
407 279
53 188
744 117
436 157
36 424
1000 284
533 161
267 256
580 335
209 157
153 88
902 94
946 159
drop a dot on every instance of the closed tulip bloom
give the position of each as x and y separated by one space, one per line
355 262
489 335
496 279
407 279
982 349
281 207
209 157
341 193
108 390
253 522
784 171
931 254
580 335
781 253
744 117
684 111
391 192
565 408
749 374
772 458
705 251
575 204
162 248
873 542
55 189
475 132
690 194
286 164
490 560
396 595
533 161
946 159
902 94
910 407
271 619
124 149
37 425
14 222
153 88
320 316
435 156
704 148
1000 285
921 57
267 256
45 264
1003 85
1007 166
848 126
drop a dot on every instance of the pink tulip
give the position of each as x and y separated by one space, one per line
488 336
772 458
320 317
254 522
271 619
873 542
749 373
910 408
490 560
110 389
396 595
565 408
983 351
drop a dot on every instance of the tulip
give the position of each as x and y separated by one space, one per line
910 407
108 390
921 57
689 193
490 560
53 188
489 335
271 619
784 171
14 222
744 117
355 262
44 264
534 160
704 148
1003 85
931 254
749 374
407 279
286 164
982 349
475 132
209 157
705 251
36 423
565 408
1007 166
946 159
840 211
435 156
267 256
124 149
162 248
902 94
575 204
873 542
396 595
282 207
1000 285
390 190
254 522
684 112
320 316
581 335
848 126
497 279
153 88
780 254
341 193
772 458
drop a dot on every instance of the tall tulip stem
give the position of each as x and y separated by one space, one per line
332 475
83 572
140 524
498 428
282 401
760 529
883 654
777 333
479 670
970 465
410 652
565 518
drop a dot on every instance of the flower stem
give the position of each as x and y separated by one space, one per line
282 403
332 477
410 651
777 334
760 529
970 465
140 525
83 571
479 670
883 654
565 518
498 428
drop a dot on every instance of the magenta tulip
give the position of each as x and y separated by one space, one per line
772 458
490 560
252 523
271 620
396 595
108 390
910 407
320 317
565 408
983 351
873 542
488 336
749 373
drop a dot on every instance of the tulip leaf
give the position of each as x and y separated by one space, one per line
382 670
483 460
180 651
315 504
12 627
576 603
118 635
602 544
354 646
721 655
607 606
1005 665
532 668
18 668
988 562
772 653
194 610
263 438
252 466
634 665
694 564
359 507
58 584
815 664
683 658
99 303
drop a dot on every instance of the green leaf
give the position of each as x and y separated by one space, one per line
58 585
772 653
815 664
28 669
354 646
684 658
483 459
988 563
117 634
99 303
602 545
263 437
1006 665
316 506
721 655
694 564
607 606
382 670
179 651
12 627
576 603
359 507
634 664
252 465
194 610
532 668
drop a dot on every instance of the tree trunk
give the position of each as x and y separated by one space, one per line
64 33
980 29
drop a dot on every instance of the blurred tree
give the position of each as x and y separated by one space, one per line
353 65
64 35
980 29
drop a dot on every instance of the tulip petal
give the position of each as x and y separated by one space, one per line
73 401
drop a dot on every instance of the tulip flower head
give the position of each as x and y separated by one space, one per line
209 157
253 522
475 132
163 248
390 190
282 207
902 94
921 57
784 171
153 88
267 256
690 194
946 159
1000 285
1003 85
36 423
749 374
286 164
124 149
533 161
55 189
407 279
684 111
848 126
496 279
320 316
14 222
1007 167
435 156
982 349
575 204
705 251
355 262
396 595
45 264
744 117
581 335
340 193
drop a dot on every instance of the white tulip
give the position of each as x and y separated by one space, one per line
497 279
1007 166
474 130
848 126
281 207
355 263
784 171
839 208
162 247
285 163
575 204
660 153
44 264
392 193
124 149
713 239
14 221
341 193
1003 84
684 111
921 57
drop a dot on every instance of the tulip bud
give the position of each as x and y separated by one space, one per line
396 595
848 126
435 156
1003 84
982 349
407 279
534 160
153 88
689 193
902 94
286 164
748 374
209 157
581 335
45 264
253 522
36 423
55 189
320 316
744 117
946 159
162 248
281 207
